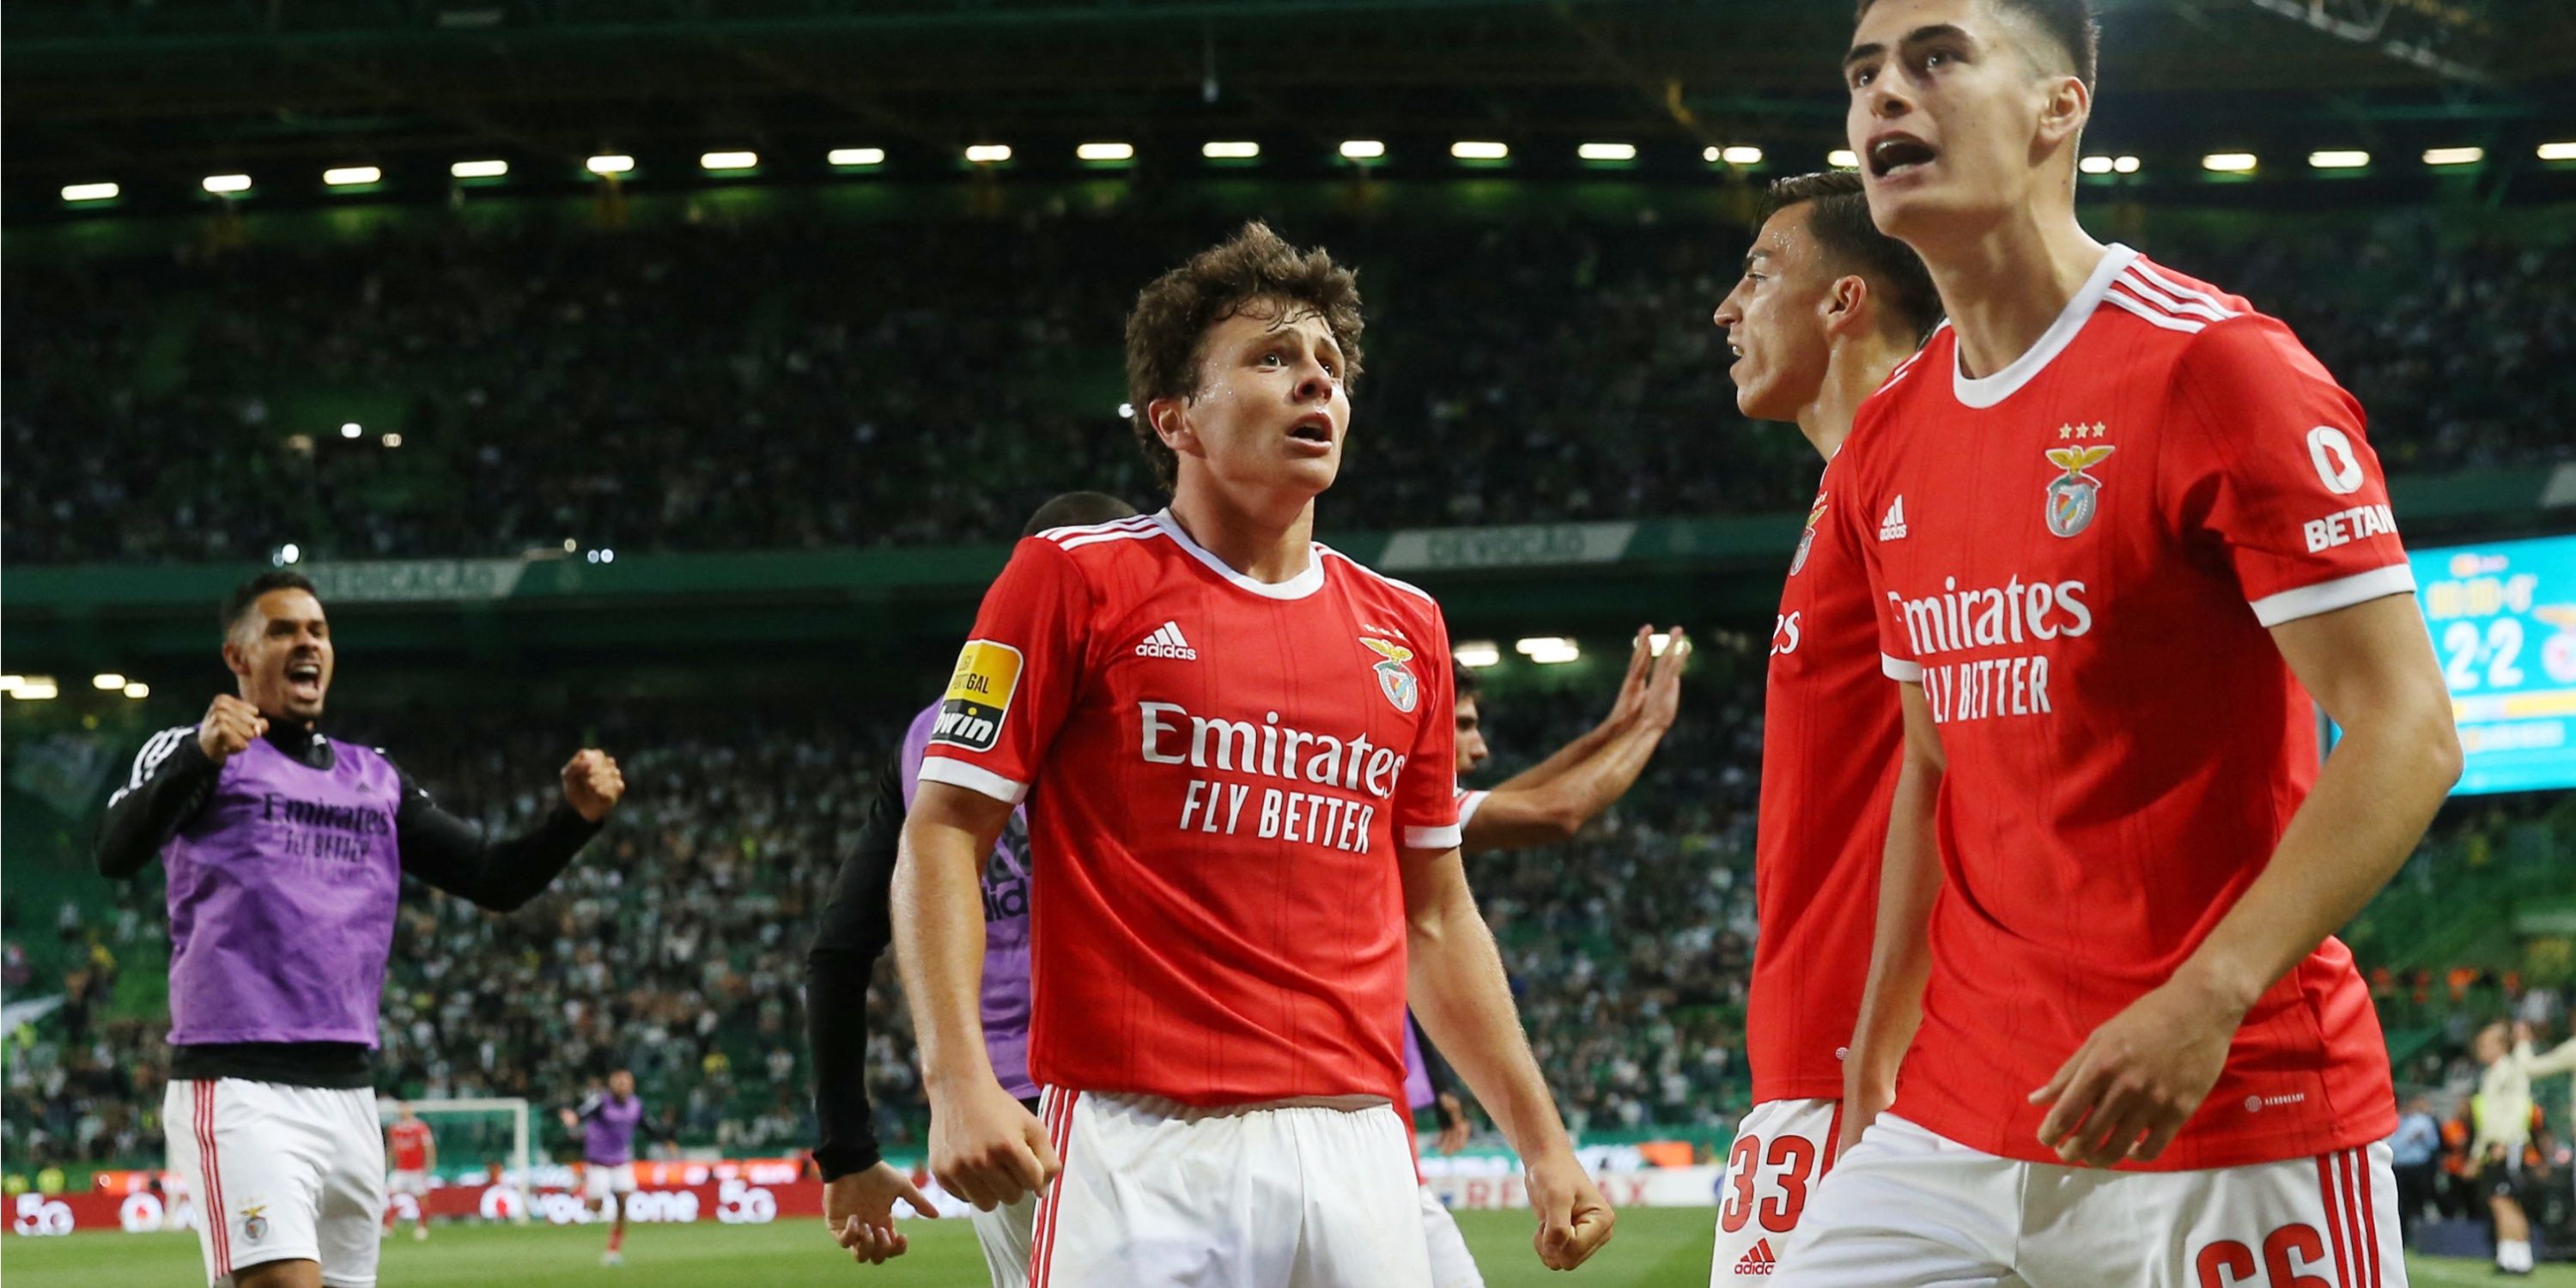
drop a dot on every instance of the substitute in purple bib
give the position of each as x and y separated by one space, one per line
861 1187
285 850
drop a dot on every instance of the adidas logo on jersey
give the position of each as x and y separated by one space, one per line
1892 527
1759 1261
1166 641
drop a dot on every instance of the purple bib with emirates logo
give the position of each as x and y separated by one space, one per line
282 894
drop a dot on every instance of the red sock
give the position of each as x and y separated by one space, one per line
616 1239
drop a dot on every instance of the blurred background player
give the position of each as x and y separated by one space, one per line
2119 527
415 1153
2500 1148
1826 308
1210 700
285 850
1548 802
861 1188
607 1125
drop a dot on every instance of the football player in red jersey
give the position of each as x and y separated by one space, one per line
1246 824
1826 308
415 1154
2125 536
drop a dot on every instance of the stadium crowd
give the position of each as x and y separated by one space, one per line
787 383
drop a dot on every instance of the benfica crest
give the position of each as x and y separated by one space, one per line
1807 539
2072 499
1394 679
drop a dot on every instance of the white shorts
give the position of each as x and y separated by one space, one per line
1909 1209
1452 1266
604 1180
1004 1235
414 1184
1782 1149
1156 1194
280 1173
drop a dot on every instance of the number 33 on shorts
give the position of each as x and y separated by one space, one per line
1781 1150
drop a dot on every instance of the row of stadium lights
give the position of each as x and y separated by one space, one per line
1545 650
42 688
1359 150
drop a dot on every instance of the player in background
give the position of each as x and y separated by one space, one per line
1546 803
607 1125
286 850
2120 527
1552 800
1245 822
860 1187
415 1155
1826 308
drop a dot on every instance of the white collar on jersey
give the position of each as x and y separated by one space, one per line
1986 391
1297 587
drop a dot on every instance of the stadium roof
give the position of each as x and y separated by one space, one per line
182 88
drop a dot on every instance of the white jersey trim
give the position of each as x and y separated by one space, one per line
1986 391
974 778
1468 804
1897 668
2155 315
2342 592
159 747
1434 838
1298 587
1356 565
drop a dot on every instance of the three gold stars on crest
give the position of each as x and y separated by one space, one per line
2081 432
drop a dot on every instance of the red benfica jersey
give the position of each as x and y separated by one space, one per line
1219 773
411 1146
1831 734
2078 557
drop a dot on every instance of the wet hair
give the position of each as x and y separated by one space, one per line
1462 679
1838 214
2068 24
247 594
1253 269
1077 510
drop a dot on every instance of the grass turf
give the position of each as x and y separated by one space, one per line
1655 1248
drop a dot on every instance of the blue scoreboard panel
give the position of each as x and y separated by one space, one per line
2503 618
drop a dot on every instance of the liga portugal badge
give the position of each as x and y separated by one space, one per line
1393 678
2072 496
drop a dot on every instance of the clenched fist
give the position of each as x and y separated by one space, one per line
230 725
592 784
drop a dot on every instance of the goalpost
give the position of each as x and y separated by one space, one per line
481 1129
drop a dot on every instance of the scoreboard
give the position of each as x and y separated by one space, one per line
2503 618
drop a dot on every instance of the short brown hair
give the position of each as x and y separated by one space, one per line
2068 24
1172 317
1838 215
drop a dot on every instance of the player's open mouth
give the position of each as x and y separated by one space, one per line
1316 429
305 675
1895 154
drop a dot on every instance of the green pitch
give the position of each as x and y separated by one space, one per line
1655 1248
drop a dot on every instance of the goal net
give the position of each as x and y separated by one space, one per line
479 1142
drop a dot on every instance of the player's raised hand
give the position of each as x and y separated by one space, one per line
859 1211
1632 686
988 1149
230 725
1573 1219
1663 697
592 784
2139 1077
